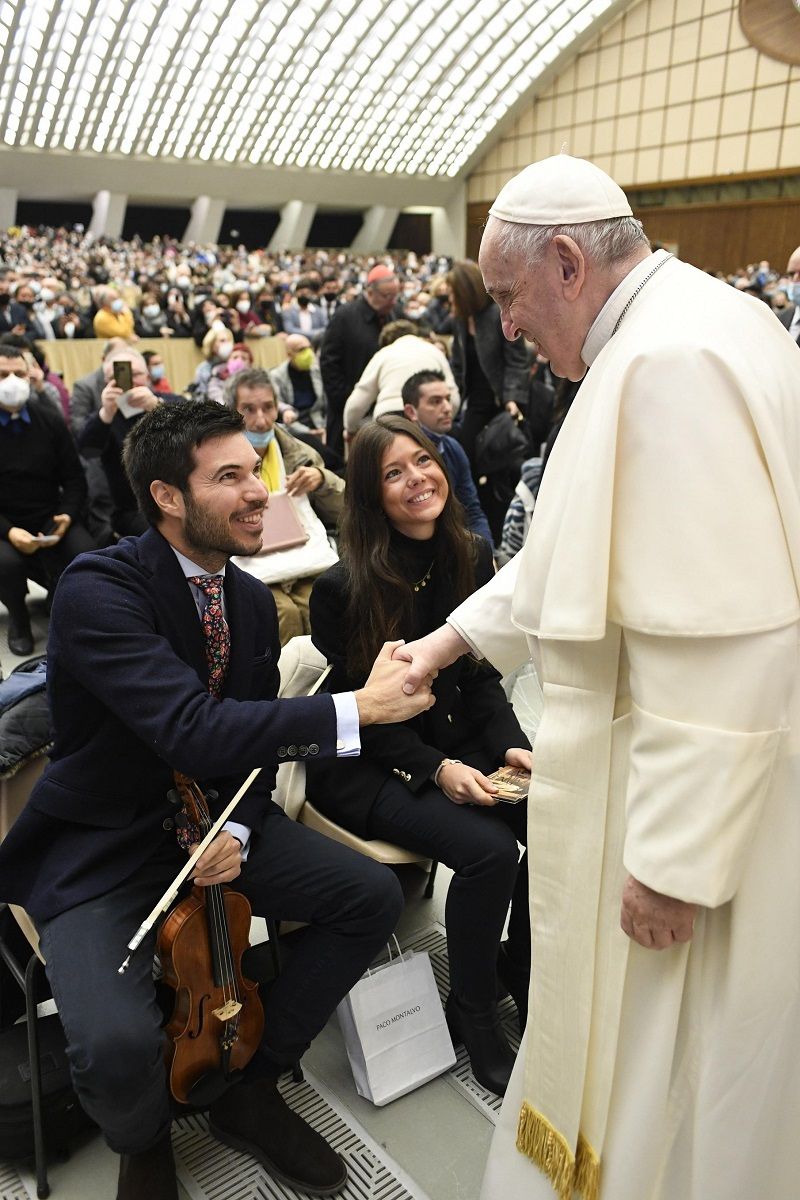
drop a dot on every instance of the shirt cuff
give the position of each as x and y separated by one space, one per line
348 740
242 832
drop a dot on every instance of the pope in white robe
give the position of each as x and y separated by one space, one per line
658 594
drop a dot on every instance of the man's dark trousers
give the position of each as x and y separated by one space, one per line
113 1024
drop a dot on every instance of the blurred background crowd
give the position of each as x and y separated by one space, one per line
313 344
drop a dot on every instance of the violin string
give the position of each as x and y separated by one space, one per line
217 914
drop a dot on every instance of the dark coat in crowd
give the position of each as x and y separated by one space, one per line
350 341
505 364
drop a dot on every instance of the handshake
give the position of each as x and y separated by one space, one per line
399 684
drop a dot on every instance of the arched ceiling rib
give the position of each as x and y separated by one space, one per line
394 87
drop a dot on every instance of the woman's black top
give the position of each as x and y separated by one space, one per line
471 715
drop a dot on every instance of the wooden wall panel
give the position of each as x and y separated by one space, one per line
722 237
476 219
714 237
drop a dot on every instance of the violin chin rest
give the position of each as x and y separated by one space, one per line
209 1087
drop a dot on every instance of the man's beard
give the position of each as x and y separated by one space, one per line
208 532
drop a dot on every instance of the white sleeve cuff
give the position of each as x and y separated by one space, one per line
348 740
242 832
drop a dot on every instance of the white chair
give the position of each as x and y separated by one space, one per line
303 670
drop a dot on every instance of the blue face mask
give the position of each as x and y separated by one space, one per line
793 292
260 440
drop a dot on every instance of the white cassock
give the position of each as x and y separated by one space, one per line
658 594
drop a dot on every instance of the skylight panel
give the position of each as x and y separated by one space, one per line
368 85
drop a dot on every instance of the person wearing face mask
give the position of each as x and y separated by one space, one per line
298 387
23 313
69 323
217 348
113 318
330 295
239 359
249 320
156 372
287 465
205 314
790 315
178 318
42 493
304 316
104 433
151 320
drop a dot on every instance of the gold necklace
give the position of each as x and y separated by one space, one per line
424 581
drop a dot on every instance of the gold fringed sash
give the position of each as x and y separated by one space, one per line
587 1171
549 1150
546 1147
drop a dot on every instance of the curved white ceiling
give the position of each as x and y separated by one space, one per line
404 87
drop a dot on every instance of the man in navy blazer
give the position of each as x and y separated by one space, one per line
95 847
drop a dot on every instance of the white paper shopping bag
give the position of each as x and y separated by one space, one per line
394 1029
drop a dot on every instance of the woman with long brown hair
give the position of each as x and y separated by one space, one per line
406 560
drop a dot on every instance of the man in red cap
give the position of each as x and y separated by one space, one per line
350 341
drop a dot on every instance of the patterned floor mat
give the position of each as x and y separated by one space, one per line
210 1171
433 940
11 1186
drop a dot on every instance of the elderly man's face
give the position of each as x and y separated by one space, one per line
383 296
534 304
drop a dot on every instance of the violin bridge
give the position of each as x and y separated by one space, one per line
228 1010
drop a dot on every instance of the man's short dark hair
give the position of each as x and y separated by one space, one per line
20 344
9 350
162 443
253 377
411 387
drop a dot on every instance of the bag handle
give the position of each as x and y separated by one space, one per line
391 959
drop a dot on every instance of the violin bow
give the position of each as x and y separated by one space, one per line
172 891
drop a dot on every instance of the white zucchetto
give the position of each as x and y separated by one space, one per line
561 190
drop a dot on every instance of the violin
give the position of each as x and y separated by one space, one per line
217 1022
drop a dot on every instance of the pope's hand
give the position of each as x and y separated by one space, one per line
382 700
653 920
428 655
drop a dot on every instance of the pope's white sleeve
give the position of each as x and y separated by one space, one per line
484 621
708 719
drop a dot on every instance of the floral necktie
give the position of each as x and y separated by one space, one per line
215 628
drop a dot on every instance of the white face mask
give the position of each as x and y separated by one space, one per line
69 330
14 392
224 349
151 310
243 306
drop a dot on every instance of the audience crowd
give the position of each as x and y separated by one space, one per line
363 335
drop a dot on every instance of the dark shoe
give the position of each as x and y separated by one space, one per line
514 980
255 1118
479 1029
150 1175
20 637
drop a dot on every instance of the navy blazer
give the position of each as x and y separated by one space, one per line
127 686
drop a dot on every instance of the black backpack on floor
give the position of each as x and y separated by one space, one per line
63 1118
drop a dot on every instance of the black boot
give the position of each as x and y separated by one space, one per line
20 636
150 1175
255 1118
480 1031
514 979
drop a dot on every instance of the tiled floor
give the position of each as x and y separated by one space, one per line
438 1138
